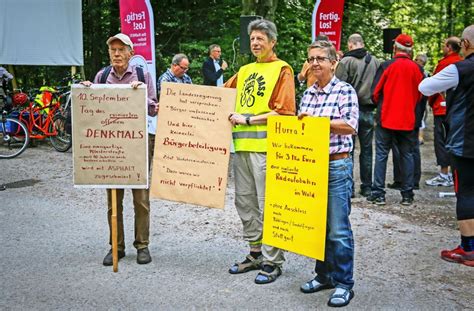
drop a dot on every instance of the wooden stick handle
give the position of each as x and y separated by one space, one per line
114 231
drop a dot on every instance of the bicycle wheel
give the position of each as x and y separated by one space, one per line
62 142
14 138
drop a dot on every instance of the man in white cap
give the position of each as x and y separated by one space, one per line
121 72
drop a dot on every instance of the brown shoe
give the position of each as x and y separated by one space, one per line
143 256
108 260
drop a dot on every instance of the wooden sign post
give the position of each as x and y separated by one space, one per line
109 129
114 230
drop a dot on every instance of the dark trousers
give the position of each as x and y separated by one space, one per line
405 141
442 156
397 175
463 169
366 135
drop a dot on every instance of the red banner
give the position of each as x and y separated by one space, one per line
327 20
136 21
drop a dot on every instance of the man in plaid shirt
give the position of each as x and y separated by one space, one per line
337 100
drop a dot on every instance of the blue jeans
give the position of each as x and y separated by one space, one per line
405 141
338 268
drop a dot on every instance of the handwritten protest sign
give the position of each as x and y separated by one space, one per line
192 144
297 185
109 136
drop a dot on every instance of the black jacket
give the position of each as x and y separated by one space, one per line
209 72
460 111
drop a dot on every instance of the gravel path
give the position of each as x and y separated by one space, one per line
53 239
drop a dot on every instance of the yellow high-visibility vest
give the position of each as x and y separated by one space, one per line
255 84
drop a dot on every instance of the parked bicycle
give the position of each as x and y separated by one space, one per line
14 137
44 118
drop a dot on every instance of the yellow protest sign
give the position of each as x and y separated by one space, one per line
297 185
109 130
192 144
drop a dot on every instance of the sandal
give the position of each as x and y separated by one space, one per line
264 277
247 265
314 286
341 297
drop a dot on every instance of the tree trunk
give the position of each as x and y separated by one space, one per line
264 8
450 17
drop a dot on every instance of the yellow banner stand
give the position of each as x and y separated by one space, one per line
297 185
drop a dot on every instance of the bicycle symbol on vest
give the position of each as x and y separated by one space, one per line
248 98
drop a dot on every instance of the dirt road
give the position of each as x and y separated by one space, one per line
53 238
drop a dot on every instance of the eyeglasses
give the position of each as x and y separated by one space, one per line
318 59
183 68
120 50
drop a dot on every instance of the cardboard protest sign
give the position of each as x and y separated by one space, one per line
297 185
192 144
109 131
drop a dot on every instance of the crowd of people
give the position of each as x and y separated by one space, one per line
361 96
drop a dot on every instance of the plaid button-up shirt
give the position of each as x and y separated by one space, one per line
337 100
168 76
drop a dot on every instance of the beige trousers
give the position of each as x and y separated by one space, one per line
249 170
141 204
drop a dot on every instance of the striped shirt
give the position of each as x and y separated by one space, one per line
168 76
337 100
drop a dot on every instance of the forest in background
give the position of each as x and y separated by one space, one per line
191 26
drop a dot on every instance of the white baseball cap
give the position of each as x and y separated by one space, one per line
122 37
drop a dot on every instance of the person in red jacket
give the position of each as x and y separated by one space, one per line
451 48
395 92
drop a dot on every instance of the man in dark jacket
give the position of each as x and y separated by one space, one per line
458 80
396 95
360 67
213 67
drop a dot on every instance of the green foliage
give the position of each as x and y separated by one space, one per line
191 26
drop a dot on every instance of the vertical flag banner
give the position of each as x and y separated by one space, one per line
327 20
296 190
136 21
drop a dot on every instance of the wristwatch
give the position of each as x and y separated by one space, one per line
247 120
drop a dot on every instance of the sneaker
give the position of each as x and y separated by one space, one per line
407 201
365 192
440 181
395 185
458 255
108 259
376 199
143 256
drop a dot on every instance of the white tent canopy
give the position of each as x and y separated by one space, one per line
41 32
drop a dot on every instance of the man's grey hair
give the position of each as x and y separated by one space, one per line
264 26
325 45
402 48
355 39
423 57
178 58
212 47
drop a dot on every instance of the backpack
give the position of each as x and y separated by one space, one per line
106 72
